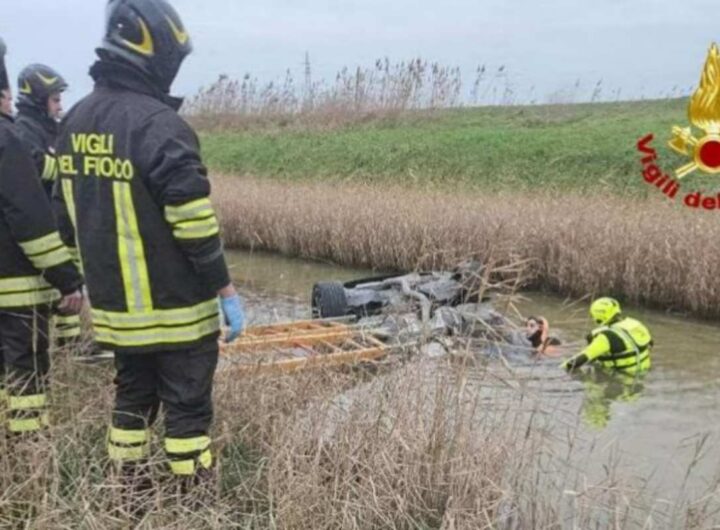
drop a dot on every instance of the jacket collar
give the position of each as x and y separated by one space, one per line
113 73
7 117
37 116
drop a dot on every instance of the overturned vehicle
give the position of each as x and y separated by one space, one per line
370 319
419 305
425 291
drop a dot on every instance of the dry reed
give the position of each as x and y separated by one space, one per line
429 445
386 89
646 252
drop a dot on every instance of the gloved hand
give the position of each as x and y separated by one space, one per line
234 312
575 363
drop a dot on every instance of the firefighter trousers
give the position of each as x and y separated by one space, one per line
24 367
180 381
68 330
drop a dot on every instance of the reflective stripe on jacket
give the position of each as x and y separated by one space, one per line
624 346
134 195
39 132
34 262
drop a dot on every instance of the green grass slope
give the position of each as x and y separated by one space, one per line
563 147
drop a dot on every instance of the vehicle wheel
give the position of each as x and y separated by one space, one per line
329 300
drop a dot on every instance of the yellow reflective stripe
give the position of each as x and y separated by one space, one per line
26 291
157 317
206 459
22 283
72 320
124 454
197 229
183 467
51 259
126 436
30 298
126 444
42 244
67 189
131 251
50 169
157 335
75 255
29 424
188 467
181 446
69 332
35 401
191 210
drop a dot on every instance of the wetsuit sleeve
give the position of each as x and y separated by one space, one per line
598 347
178 181
27 211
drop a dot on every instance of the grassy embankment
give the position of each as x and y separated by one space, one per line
559 186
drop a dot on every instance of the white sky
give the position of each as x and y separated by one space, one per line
644 47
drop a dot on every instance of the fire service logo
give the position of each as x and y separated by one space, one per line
702 152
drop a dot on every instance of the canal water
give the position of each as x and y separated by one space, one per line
653 430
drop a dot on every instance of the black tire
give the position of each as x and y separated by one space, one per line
329 300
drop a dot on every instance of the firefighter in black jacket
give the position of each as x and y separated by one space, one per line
39 107
33 260
134 188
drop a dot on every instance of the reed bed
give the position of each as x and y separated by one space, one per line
643 251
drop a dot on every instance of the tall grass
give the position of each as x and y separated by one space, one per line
385 89
431 444
647 251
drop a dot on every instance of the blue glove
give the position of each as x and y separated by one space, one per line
234 313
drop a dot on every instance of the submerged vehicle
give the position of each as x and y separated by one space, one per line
425 291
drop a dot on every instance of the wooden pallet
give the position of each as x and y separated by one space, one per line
290 348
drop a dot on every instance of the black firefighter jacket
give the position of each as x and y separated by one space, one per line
39 132
133 190
33 259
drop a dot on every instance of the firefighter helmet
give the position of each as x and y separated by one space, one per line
37 83
603 310
150 35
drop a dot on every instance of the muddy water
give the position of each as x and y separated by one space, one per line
652 431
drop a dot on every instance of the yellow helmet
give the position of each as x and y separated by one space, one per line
603 310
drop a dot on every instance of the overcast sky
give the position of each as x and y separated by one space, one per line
644 47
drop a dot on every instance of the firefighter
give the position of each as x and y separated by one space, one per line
39 107
620 344
36 270
133 189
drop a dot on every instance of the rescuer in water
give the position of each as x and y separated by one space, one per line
39 105
134 195
619 344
